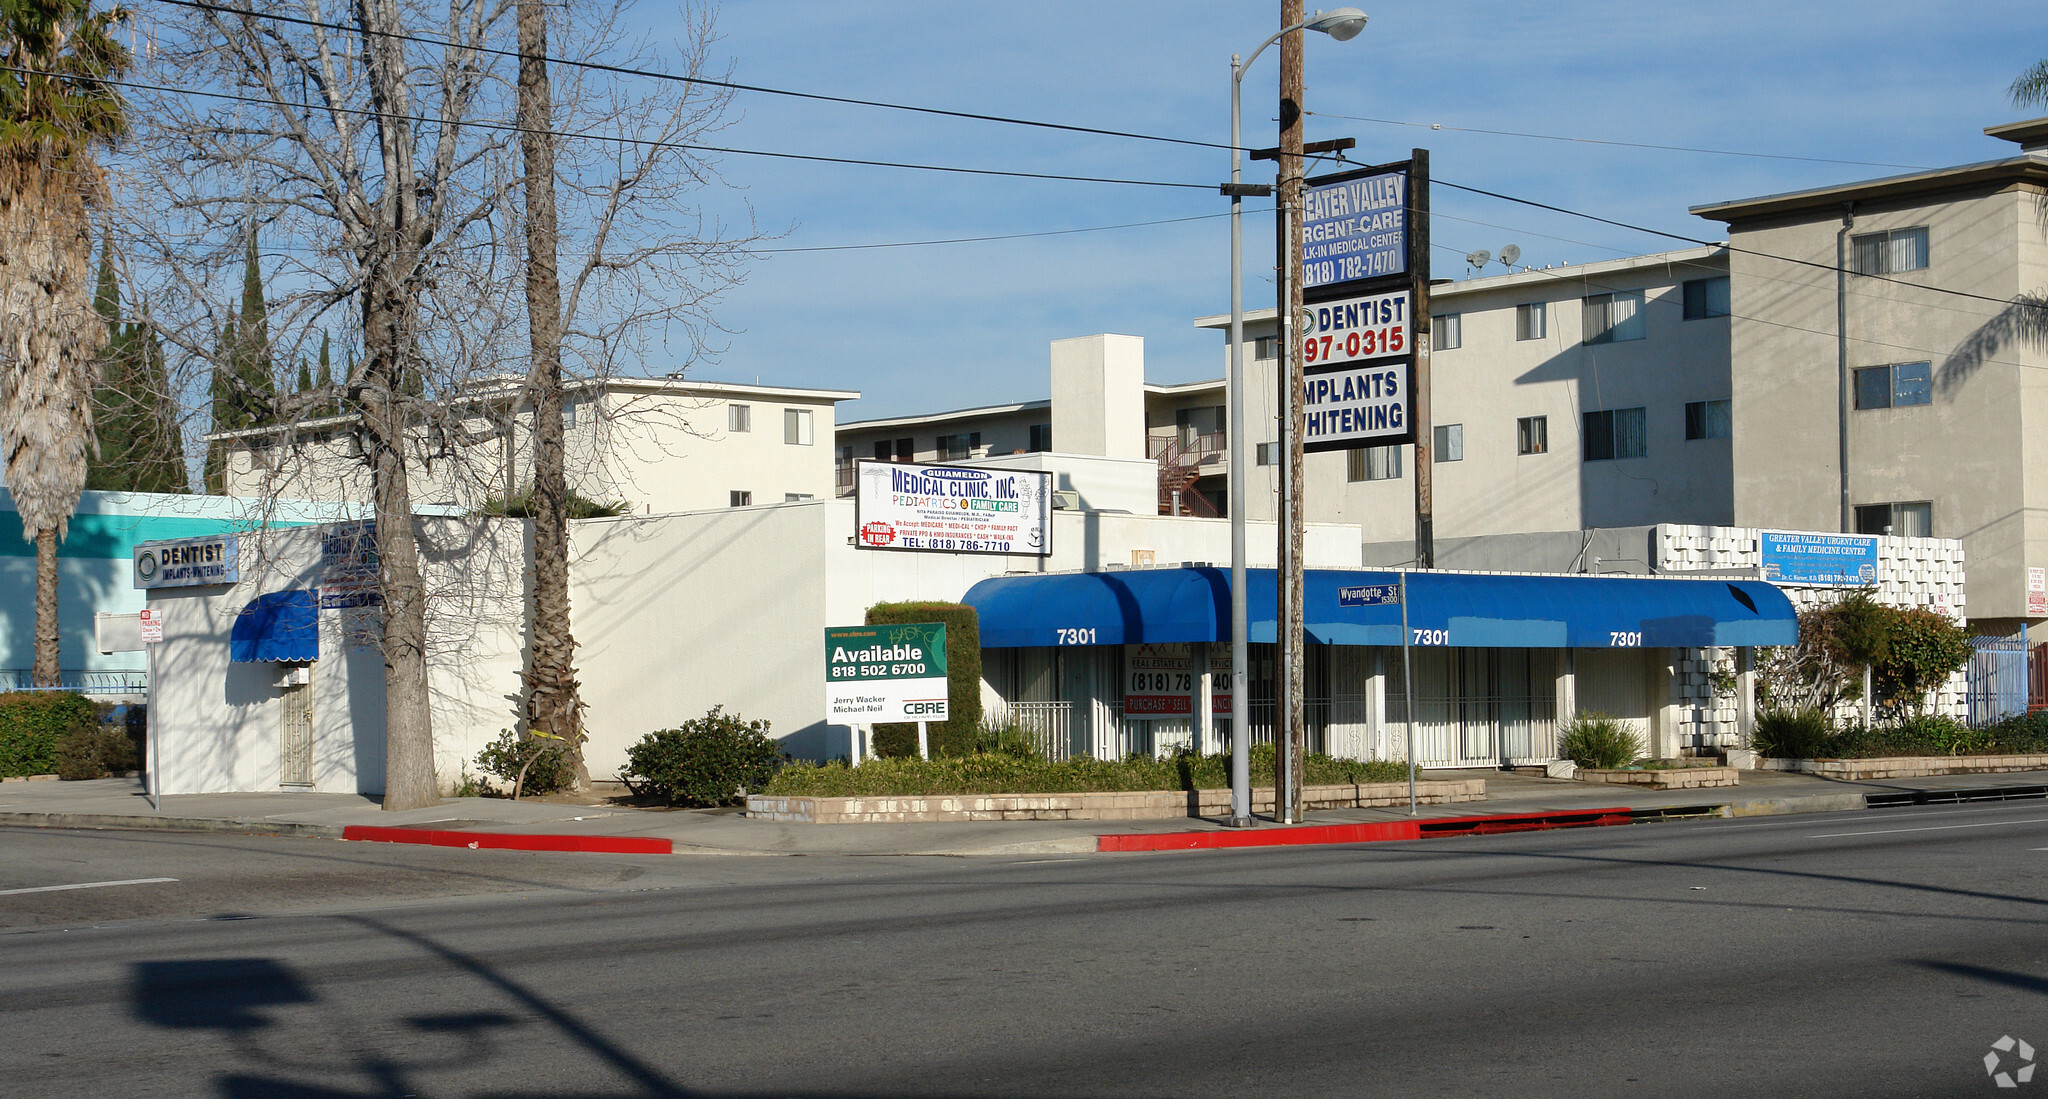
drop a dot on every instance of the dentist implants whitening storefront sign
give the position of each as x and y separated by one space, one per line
952 509
1361 272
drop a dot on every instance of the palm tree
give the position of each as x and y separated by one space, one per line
56 112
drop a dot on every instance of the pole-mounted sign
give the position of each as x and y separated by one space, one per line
1362 278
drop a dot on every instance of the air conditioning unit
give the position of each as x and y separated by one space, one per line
1066 500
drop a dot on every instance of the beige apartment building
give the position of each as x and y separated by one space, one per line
1921 349
656 445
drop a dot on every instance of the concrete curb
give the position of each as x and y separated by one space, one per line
509 841
137 823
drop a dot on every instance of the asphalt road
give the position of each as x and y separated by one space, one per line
1869 954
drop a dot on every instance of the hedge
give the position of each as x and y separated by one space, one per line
1002 773
1806 735
956 735
32 723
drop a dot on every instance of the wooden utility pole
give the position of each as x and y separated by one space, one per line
1425 441
1288 746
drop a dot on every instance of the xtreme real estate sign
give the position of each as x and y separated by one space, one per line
885 673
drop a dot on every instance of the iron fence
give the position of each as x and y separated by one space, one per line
104 683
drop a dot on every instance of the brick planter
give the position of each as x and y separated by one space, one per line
1908 766
1137 805
1675 778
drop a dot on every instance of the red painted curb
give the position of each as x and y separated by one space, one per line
503 841
1375 832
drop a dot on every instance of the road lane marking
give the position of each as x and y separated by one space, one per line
1929 828
83 885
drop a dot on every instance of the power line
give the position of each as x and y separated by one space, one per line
1608 141
508 127
622 70
1722 244
1001 236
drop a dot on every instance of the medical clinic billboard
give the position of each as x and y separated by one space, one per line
952 509
1362 274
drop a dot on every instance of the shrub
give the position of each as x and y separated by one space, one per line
1000 773
956 735
1005 738
1596 740
711 760
544 763
2019 733
96 752
1792 734
33 723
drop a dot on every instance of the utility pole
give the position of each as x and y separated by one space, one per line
1288 746
1425 440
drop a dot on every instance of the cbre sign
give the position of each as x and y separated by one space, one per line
885 673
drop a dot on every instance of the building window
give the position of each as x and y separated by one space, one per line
1532 320
1894 386
1269 455
796 426
1374 463
1266 347
1446 331
1615 433
1450 443
906 450
1041 437
1706 298
884 450
1707 420
795 497
568 414
1889 253
1532 435
1613 318
959 446
741 499
739 417
1908 520
845 456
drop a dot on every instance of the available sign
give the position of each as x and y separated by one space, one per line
1804 557
187 562
952 509
885 673
1159 680
1357 406
1354 228
1359 329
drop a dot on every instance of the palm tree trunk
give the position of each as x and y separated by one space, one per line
552 705
46 672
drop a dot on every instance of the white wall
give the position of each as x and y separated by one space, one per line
677 613
1104 484
1098 395
219 724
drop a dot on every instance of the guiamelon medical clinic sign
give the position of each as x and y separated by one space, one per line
885 673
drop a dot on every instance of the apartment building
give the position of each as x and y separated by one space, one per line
654 445
1888 363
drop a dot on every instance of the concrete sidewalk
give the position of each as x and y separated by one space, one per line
120 803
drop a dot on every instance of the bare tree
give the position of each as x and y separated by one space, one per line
373 145
641 270
349 132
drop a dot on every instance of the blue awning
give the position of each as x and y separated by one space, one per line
282 625
1357 607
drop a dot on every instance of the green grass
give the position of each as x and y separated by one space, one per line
998 773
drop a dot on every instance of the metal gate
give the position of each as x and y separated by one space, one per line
1996 679
296 744
1476 707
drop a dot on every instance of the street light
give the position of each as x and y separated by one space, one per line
1342 24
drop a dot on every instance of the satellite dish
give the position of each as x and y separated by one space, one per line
1479 258
1510 254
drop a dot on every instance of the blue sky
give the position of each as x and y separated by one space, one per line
922 329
